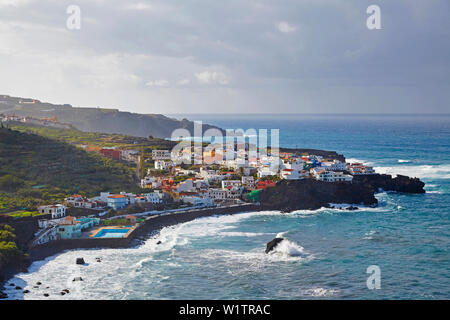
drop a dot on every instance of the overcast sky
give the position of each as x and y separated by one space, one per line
202 56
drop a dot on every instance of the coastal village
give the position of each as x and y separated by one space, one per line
173 189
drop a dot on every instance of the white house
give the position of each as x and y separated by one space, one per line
57 211
226 184
265 171
153 197
359 168
160 154
198 201
248 182
186 186
234 192
322 174
334 166
217 194
162 165
295 165
289 174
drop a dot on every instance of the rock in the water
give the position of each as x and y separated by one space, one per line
38 283
80 261
63 293
66 290
159 242
46 294
77 279
18 288
272 244
3 295
351 208
26 291
12 285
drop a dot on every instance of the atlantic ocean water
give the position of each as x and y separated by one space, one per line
327 251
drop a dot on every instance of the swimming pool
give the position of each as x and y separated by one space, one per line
111 233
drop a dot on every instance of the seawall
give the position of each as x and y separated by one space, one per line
151 224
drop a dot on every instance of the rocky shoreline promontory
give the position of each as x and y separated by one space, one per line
310 194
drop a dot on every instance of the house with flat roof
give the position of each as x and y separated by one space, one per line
117 201
70 227
57 210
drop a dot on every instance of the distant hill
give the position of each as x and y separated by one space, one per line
97 119
36 170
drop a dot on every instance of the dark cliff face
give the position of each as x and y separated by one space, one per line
387 183
311 194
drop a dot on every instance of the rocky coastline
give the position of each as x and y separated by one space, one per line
310 194
286 196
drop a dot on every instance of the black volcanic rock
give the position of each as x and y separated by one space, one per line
310 194
387 183
272 244
80 261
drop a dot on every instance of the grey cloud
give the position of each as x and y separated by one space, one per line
325 61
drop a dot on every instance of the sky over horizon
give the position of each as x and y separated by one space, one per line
199 56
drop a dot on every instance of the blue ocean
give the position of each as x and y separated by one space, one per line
327 251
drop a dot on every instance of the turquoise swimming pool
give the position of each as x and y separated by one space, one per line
111 233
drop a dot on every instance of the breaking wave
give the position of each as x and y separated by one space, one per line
423 171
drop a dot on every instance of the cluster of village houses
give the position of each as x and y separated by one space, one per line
205 186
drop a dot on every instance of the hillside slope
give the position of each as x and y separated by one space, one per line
98 119
35 170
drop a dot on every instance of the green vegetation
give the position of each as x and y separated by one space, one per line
97 139
115 222
10 254
28 160
182 178
270 178
24 213
106 120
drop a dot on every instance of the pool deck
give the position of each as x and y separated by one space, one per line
94 232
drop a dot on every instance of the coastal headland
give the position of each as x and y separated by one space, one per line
309 194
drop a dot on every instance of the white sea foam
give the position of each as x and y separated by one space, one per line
354 160
369 235
320 292
106 280
289 249
423 171
403 161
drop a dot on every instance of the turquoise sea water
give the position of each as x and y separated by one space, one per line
328 250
